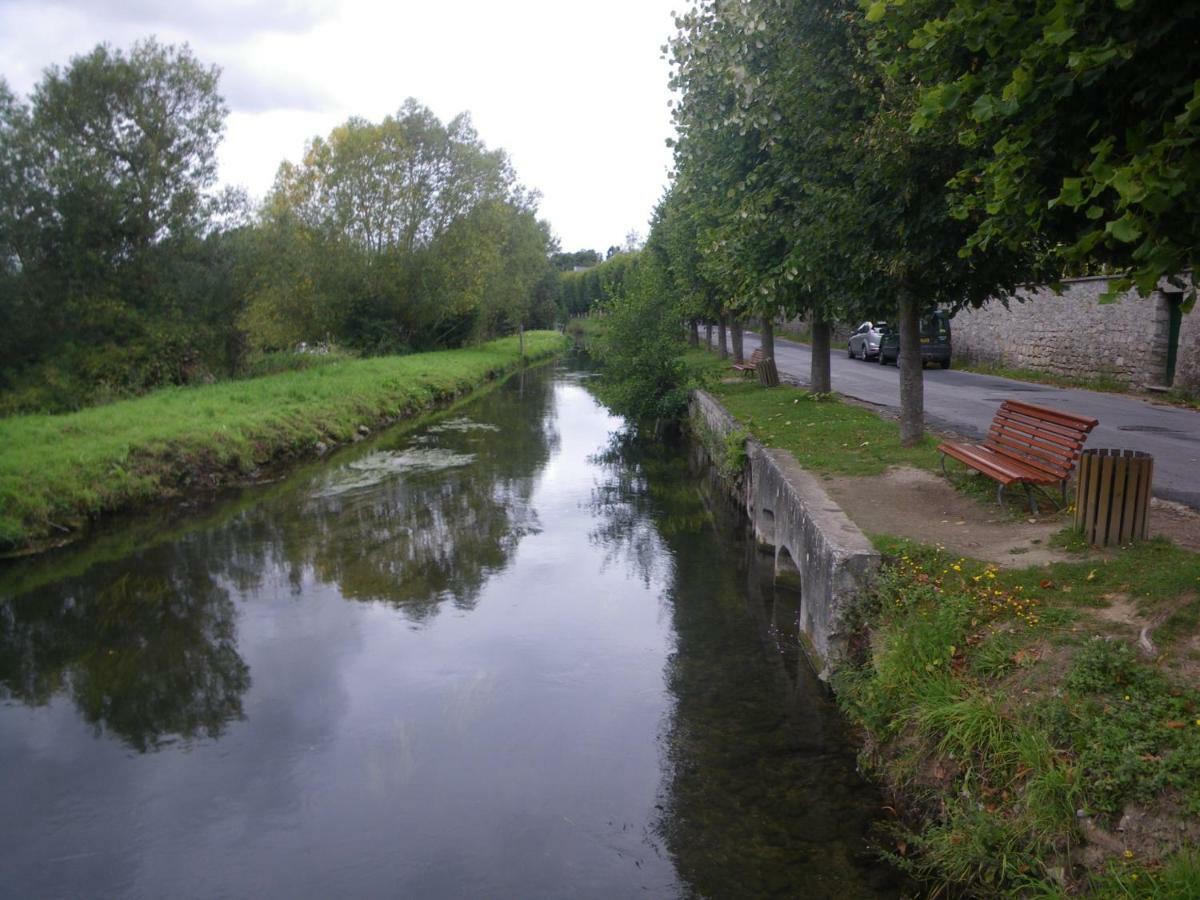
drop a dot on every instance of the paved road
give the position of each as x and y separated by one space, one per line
964 402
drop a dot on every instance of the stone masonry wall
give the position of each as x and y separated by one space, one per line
1187 366
1073 334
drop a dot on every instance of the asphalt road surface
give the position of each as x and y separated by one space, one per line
964 403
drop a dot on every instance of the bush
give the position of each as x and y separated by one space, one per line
642 349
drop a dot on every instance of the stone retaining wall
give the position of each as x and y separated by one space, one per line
814 541
1074 335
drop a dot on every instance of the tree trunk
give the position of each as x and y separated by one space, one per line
521 338
736 329
723 338
819 380
768 337
912 372
694 333
708 335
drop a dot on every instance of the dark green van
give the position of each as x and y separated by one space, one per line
935 341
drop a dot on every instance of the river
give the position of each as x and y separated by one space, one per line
507 653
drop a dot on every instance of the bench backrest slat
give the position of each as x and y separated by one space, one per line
1035 442
1052 443
1061 433
1083 424
1046 439
1056 464
1051 431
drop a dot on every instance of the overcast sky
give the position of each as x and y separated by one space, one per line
575 92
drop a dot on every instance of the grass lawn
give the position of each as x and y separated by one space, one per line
1017 721
57 471
825 434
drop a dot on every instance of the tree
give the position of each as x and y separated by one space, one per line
1080 121
124 148
395 185
796 140
644 375
394 235
580 259
106 182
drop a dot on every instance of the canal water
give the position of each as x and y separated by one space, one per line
509 653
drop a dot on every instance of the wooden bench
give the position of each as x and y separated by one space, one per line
748 367
1026 444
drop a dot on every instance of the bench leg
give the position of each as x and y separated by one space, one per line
1000 493
1032 501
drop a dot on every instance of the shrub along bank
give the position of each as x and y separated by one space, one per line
57 472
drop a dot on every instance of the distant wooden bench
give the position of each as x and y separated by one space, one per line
1026 444
748 367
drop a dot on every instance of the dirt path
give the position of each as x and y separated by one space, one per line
922 506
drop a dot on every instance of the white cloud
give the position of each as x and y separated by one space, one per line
213 19
576 93
252 91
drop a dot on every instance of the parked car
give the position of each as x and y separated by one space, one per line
864 341
935 341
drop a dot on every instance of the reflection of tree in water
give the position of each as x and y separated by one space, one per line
760 795
150 657
146 645
418 539
636 504
423 542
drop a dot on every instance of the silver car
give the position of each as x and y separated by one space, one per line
864 340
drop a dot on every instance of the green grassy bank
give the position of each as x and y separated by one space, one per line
1033 745
823 433
59 472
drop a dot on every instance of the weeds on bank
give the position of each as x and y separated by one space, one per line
1176 879
824 434
1180 397
1105 382
996 711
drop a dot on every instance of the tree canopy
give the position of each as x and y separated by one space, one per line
123 267
1080 119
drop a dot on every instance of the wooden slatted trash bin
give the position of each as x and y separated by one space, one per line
768 375
1112 500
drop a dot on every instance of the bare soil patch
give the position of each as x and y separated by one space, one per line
1177 522
923 506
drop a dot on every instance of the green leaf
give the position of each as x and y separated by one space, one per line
1071 194
877 11
1126 229
984 107
1130 189
1059 36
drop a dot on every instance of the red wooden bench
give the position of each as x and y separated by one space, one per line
1026 444
748 367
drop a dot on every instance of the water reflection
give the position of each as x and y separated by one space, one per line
146 647
147 657
761 797
505 655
